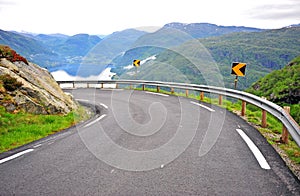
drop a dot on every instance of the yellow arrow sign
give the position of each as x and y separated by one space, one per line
238 69
136 63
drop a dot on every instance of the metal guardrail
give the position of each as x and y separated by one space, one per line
277 111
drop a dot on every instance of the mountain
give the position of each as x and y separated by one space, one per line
149 44
111 47
27 46
281 87
174 34
84 55
52 40
262 51
203 30
77 45
54 51
184 59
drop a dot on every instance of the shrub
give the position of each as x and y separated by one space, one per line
11 55
10 83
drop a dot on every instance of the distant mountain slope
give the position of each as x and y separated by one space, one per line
148 45
55 51
262 51
25 45
52 40
77 45
107 50
202 30
281 87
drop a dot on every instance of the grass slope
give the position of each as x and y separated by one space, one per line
22 128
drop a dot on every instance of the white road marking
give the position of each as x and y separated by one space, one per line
160 94
258 155
84 100
94 121
102 104
36 146
203 106
15 156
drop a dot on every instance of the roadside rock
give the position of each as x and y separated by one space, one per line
39 92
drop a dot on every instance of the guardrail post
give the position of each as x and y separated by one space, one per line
186 93
143 87
172 90
117 85
243 112
101 85
285 134
157 89
201 96
87 85
264 119
73 84
220 99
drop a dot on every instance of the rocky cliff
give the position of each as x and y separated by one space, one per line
26 86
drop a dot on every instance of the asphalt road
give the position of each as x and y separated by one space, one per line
147 144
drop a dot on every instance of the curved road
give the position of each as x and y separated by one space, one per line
143 143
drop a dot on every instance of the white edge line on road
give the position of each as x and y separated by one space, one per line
84 100
94 121
203 106
102 104
160 94
258 155
15 156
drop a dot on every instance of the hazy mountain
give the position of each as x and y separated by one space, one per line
52 40
262 51
25 45
174 44
202 30
148 45
169 36
54 51
107 50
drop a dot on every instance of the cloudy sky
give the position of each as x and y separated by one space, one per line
106 16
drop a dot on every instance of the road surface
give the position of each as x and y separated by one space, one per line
143 143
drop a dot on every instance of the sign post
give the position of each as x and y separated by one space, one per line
136 63
238 69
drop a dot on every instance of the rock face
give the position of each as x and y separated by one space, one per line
37 91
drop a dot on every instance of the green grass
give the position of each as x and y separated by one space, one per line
22 128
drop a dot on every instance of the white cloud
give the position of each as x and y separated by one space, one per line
104 17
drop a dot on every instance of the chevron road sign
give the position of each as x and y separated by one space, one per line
136 63
238 69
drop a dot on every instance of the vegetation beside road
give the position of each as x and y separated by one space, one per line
22 128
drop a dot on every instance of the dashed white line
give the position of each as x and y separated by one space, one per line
160 94
203 106
38 145
258 155
94 121
105 106
15 156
